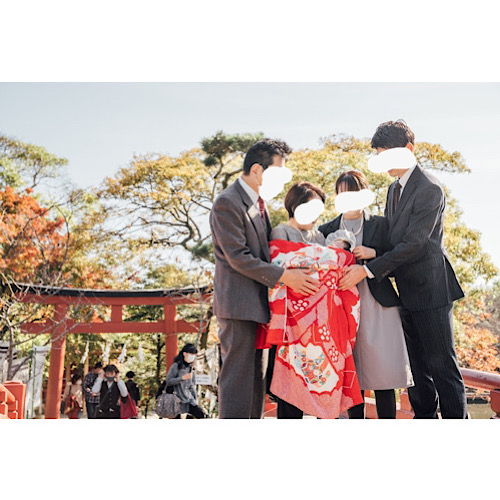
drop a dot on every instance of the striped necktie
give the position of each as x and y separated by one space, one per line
262 208
395 196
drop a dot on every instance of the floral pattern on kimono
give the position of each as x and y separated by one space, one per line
314 367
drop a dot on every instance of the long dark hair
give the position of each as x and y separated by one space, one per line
179 359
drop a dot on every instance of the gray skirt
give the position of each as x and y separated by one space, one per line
380 353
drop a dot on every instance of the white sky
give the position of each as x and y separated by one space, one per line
99 126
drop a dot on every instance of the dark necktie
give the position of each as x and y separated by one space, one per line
395 196
262 208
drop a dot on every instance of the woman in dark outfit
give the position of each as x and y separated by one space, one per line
380 351
132 387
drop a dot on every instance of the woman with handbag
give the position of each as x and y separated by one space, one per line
181 378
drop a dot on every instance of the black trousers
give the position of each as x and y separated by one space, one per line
433 361
385 401
195 411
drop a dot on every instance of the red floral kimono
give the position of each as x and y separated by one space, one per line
314 367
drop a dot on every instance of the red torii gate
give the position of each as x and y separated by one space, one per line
62 325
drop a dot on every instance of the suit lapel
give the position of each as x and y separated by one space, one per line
254 214
407 191
368 228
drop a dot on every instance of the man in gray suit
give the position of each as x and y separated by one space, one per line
426 282
240 228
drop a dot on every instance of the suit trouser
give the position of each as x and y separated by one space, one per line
242 375
433 360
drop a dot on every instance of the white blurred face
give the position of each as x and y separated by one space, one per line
395 172
308 227
353 213
257 171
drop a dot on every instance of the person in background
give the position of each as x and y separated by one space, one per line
132 387
91 399
73 397
182 378
110 387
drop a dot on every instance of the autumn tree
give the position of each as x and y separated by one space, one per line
33 247
47 237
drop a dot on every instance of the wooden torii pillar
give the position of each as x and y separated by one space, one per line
61 325
56 367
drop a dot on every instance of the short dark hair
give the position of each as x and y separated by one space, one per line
98 365
130 374
392 135
354 181
262 152
299 193
111 368
75 378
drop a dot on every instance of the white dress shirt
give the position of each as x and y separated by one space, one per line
248 190
404 179
96 388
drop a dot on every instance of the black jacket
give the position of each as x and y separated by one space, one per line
424 276
375 231
133 390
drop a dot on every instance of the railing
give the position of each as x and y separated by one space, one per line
472 378
12 397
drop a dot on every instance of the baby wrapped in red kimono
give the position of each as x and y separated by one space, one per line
314 367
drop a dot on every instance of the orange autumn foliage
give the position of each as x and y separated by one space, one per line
32 246
476 346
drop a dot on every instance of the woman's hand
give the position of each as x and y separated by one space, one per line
364 253
188 376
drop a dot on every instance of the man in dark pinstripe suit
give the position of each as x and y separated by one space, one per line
425 279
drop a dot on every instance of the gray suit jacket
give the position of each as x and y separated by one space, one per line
243 272
418 261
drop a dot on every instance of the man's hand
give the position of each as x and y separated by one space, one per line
352 277
364 253
300 281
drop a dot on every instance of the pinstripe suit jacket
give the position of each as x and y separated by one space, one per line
243 272
418 260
